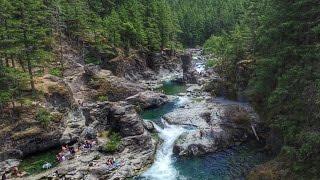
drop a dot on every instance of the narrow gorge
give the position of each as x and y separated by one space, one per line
159 89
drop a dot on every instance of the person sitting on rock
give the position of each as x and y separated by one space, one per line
63 158
72 150
64 148
16 172
4 176
87 145
60 157
109 162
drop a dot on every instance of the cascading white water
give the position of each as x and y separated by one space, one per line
199 60
200 67
183 100
163 166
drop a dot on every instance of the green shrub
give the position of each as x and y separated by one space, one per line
103 98
56 72
211 63
113 143
43 116
155 136
5 97
26 102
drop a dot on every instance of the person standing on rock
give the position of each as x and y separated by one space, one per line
201 133
4 176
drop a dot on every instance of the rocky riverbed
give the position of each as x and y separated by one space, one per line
196 123
94 101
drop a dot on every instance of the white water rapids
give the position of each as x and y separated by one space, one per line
163 168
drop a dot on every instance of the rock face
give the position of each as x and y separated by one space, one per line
29 141
104 83
189 73
148 99
131 68
57 93
220 87
148 125
216 125
24 135
143 66
117 116
126 120
137 146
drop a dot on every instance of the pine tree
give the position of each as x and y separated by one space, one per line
113 25
32 32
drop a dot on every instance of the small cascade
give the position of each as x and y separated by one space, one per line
199 60
183 100
200 67
163 167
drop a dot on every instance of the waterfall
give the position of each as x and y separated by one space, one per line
163 167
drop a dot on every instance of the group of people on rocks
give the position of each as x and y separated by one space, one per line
113 164
68 152
14 172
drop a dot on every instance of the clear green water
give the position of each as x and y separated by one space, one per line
156 114
232 163
173 88
33 164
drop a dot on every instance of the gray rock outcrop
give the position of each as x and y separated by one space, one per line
216 125
148 99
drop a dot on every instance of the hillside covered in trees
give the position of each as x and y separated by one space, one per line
278 43
32 31
269 50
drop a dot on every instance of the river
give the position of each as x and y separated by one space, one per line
232 163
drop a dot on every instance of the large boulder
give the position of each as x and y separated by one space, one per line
126 120
216 125
200 142
148 125
148 99
117 116
189 73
